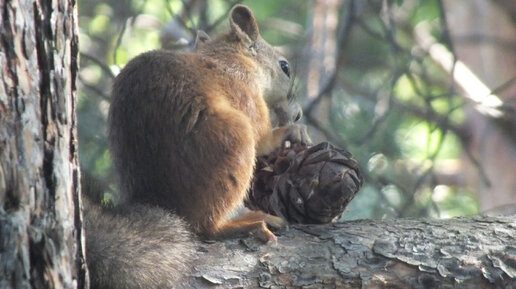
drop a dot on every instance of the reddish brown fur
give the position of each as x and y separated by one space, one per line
185 128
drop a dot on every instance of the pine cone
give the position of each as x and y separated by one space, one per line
303 184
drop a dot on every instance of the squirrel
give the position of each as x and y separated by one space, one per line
184 130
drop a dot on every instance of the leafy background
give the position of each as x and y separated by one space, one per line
364 78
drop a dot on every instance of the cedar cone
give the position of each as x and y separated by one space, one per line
311 185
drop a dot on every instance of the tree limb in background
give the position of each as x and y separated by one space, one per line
222 17
105 96
106 69
129 22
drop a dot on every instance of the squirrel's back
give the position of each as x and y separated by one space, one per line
157 101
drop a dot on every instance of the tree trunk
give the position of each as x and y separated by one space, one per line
319 62
322 47
41 240
475 252
484 34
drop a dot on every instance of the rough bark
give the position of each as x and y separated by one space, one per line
41 244
475 252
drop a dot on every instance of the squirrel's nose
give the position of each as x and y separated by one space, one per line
296 112
299 115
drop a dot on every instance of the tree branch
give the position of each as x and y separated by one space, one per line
474 252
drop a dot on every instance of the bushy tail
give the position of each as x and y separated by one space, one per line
136 247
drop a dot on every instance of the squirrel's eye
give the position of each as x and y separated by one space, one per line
285 67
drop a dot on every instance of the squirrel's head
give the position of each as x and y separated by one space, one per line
270 71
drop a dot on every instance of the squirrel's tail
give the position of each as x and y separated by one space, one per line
136 247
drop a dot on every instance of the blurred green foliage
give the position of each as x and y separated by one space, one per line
392 105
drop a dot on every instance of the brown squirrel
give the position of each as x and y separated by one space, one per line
184 132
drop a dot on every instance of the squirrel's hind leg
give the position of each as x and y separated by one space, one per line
229 136
252 222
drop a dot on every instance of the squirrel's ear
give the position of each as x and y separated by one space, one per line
243 24
201 38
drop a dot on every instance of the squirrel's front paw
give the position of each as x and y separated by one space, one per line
296 133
